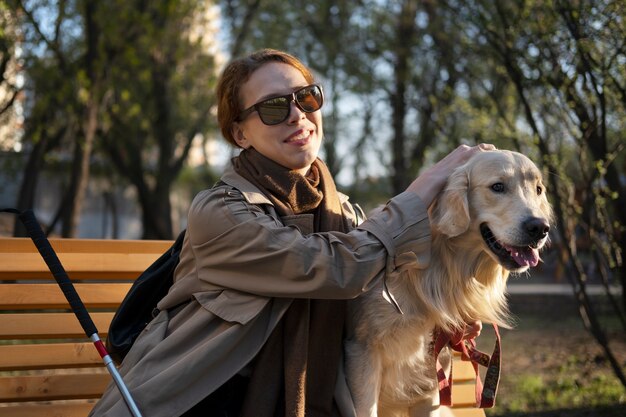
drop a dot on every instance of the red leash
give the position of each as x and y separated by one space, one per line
485 395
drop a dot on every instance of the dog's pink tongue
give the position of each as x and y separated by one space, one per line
524 256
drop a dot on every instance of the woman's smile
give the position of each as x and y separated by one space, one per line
300 137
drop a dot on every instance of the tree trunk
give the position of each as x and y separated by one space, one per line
84 143
80 174
157 213
404 35
239 34
26 196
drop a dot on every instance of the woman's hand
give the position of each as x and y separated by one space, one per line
472 330
431 181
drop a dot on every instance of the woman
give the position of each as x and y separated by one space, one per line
253 324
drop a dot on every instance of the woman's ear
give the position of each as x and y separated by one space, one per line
450 211
239 137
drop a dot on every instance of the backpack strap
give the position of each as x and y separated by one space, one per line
359 213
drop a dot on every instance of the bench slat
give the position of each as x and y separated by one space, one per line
49 387
468 412
81 409
42 296
48 356
77 265
463 371
463 395
52 387
74 409
40 387
49 325
26 245
81 258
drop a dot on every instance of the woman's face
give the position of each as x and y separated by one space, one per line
293 143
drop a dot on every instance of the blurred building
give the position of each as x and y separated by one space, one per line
11 82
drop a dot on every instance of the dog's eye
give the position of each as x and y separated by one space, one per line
498 187
539 190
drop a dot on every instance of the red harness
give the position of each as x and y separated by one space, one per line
485 396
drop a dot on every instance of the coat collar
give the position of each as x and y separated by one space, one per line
250 192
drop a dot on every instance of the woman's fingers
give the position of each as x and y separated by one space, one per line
472 330
486 147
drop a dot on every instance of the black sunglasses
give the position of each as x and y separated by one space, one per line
275 110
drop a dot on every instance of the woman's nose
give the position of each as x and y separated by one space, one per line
295 113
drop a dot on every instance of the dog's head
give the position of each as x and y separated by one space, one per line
497 201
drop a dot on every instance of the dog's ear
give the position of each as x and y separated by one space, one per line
450 211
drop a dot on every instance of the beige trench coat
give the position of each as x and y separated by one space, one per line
241 265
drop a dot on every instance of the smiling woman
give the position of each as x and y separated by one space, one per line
254 322
295 143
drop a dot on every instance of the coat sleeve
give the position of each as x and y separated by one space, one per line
238 245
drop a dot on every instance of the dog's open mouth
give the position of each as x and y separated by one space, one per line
511 257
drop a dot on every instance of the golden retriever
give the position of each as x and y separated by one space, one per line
492 218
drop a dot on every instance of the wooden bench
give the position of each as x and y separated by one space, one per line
47 365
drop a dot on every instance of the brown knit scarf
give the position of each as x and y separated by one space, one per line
295 373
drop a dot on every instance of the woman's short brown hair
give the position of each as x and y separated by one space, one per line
236 73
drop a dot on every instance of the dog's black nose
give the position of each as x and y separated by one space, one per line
537 228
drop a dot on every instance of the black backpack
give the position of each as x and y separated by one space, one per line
139 306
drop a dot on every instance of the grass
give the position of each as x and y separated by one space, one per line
553 367
538 392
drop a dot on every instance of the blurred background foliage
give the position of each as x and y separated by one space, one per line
120 94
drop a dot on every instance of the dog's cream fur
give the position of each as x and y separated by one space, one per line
390 365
